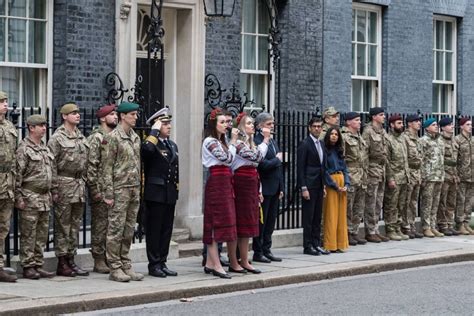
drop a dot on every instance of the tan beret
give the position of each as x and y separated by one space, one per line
69 108
330 111
3 95
36 119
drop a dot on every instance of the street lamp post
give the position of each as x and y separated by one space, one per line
219 8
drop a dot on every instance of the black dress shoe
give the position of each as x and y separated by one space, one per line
208 270
219 274
157 272
237 271
167 271
311 251
254 271
272 257
322 250
261 258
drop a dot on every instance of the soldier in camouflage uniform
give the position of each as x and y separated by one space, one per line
465 170
8 144
432 175
447 201
374 136
355 150
107 117
397 171
69 148
121 169
34 167
415 157
331 119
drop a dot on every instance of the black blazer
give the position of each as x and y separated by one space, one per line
270 169
161 172
309 169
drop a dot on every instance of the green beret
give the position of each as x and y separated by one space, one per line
428 122
3 95
126 107
36 119
69 108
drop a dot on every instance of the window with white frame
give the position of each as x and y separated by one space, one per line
444 65
24 51
366 57
254 68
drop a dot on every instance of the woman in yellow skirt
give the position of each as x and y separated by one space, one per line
335 202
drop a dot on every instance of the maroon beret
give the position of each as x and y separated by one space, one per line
394 118
464 120
105 110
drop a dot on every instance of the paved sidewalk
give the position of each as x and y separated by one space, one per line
60 294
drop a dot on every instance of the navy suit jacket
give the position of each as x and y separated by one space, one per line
310 170
270 168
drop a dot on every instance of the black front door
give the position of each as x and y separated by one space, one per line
152 85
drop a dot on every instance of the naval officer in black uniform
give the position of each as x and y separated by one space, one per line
160 160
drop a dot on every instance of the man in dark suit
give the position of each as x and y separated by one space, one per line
311 161
271 177
160 161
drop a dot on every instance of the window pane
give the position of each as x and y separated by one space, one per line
372 60
368 87
439 35
449 36
37 9
31 87
244 81
353 24
361 28
2 39
263 18
262 53
444 98
17 8
449 66
248 16
353 58
361 60
356 95
2 7
439 65
249 61
37 42
10 83
259 91
16 40
435 98
372 27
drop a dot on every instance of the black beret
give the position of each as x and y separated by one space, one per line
445 121
413 118
375 111
351 115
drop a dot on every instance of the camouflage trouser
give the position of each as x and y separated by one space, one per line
34 235
447 205
464 202
394 204
122 219
373 207
99 220
355 208
430 193
6 207
67 222
409 215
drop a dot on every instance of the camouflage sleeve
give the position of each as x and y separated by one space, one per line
108 161
54 148
93 162
388 165
21 164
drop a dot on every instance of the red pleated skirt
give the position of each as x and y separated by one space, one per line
219 207
246 187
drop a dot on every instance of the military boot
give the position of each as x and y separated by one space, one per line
402 235
462 230
352 241
428 233
30 273
43 273
436 232
408 232
75 268
119 276
383 238
416 234
373 238
360 240
468 229
446 231
394 236
100 266
454 232
6 277
134 276
63 268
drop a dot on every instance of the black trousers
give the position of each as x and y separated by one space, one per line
312 212
159 227
263 243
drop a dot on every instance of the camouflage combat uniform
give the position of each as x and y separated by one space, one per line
121 169
375 138
447 202
95 182
415 156
8 145
33 185
355 150
396 170
432 175
70 153
466 176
